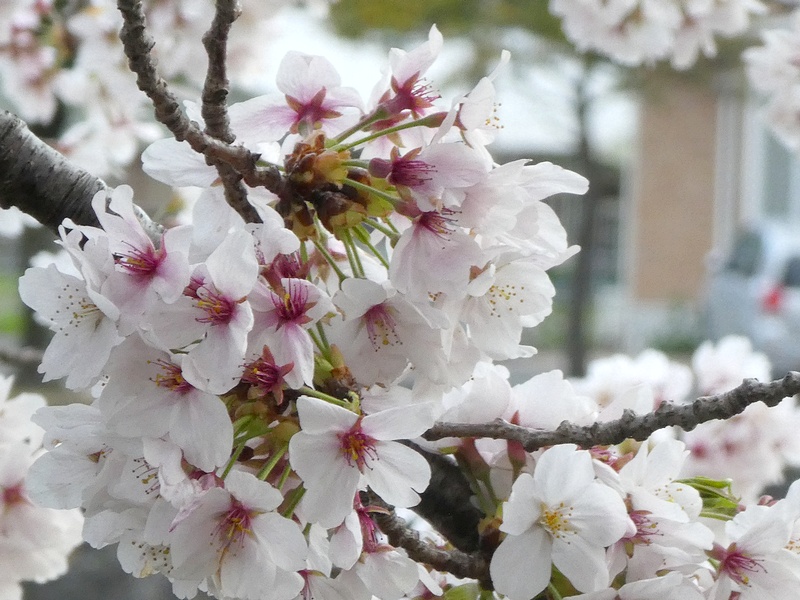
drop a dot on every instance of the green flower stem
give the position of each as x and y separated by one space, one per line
323 338
363 237
232 460
352 253
376 115
317 341
327 255
241 424
284 476
350 250
554 593
294 499
355 162
389 232
322 396
485 504
424 122
394 200
273 460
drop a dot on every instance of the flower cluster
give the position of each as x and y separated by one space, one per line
34 541
774 69
261 388
67 54
636 32
247 375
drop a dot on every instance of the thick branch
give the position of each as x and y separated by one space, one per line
40 181
630 425
445 503
460 564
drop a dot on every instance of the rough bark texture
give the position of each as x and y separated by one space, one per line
630 425
40 181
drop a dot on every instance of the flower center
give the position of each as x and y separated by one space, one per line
139 262
357 447
292 304
171 378
556 520
739 566
13 495
381 327
218 308
436 223
234 527
645 528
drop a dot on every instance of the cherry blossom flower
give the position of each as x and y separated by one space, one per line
559 516
84 322
381 333
233 533
283 317
214 313
338 452
756 563
313 99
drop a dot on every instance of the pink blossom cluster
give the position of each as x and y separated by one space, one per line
68 53
774 70
35 542
260 389
637 32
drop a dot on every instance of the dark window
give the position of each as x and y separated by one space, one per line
746 254
791 277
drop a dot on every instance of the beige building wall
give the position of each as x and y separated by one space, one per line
673 193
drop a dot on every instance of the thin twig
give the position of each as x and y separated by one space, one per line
138 44
456 562
630 425
214 107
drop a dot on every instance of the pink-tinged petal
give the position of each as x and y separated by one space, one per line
314 456
582 563
545 179
282 541
407 64
292 344
216 365
233 266
175 163
203 431
332 500
398 423
599 515
396 473
236 573
562 473
302 76
523 506
520 566
261 119
57 479
318 416
330 481
252 492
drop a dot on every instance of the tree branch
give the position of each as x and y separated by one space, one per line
630 425
40 181
456 562
138 43
215 92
